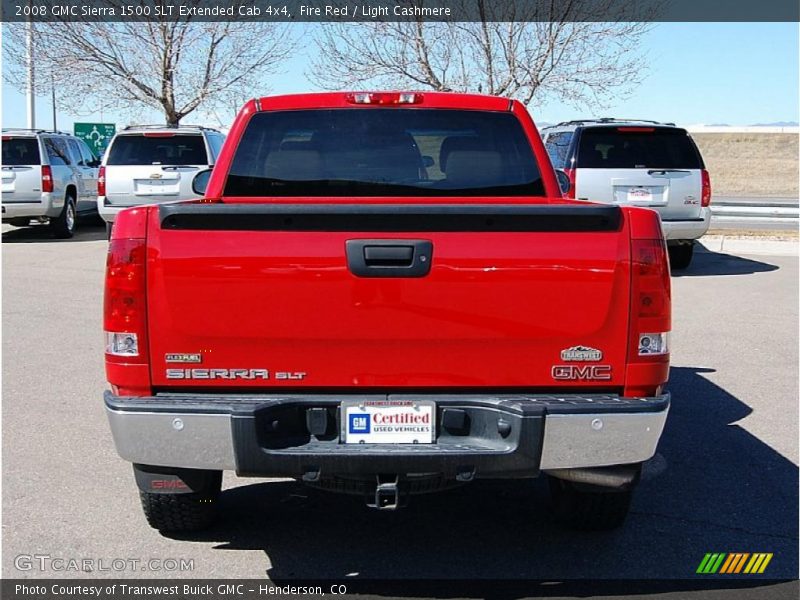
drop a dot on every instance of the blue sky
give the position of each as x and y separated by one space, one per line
734 73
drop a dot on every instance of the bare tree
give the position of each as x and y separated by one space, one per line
578 51
170 66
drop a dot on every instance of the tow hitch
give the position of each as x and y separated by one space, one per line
387 493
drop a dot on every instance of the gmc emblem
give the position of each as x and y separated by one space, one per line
582 372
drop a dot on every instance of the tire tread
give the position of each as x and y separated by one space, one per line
589 510
179 512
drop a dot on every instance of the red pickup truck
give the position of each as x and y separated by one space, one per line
385 294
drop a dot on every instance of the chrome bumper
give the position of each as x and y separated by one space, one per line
546 433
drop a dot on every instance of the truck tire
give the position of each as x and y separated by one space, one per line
680 255
182 512
63 225
586 508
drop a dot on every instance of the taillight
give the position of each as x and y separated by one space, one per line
384 98
47 178
706 197
125 316
570 193
651 310
101 182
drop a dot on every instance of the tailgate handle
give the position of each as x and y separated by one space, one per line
389 258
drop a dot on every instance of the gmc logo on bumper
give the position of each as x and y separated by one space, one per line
168 484
582 372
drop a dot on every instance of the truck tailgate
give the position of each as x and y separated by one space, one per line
264 295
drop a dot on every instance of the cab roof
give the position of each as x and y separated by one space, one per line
346 100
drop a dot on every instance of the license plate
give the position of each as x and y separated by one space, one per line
154 186
388 422
640 195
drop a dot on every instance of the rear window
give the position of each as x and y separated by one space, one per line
158 150
637 148
378 152
20 151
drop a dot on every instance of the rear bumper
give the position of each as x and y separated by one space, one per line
46 207
487 435
108 212
687 230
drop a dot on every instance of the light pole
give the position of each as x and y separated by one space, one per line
53 95
30 97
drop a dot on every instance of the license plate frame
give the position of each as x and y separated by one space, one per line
398 422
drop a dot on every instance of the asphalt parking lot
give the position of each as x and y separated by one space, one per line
725 478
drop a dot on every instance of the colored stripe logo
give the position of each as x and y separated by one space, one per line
732 563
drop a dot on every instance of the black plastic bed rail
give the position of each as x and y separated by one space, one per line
391 217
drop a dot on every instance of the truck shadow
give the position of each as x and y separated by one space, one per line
88 229
706 262
713 487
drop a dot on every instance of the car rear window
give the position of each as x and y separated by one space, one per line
158 149
379 152
20 151
637 148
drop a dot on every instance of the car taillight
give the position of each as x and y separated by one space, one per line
47 178
651 309
570 193
706 197
101 182
384 98
125 316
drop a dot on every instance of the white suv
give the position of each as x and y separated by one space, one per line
147 164
49 176
640 163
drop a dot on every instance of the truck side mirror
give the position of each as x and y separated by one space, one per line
200 182
563 181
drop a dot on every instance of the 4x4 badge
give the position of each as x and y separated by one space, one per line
581 353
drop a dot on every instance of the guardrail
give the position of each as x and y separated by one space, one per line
755 211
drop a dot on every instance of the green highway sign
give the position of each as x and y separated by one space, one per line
96 135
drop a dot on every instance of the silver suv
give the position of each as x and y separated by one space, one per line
640 163
49 176
147 164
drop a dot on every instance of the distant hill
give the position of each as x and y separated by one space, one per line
777 124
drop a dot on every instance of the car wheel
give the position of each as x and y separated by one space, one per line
588 508
183 512
63 225
680 255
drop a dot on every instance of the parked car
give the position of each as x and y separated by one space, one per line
49 176
367 322
147 164
637 163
